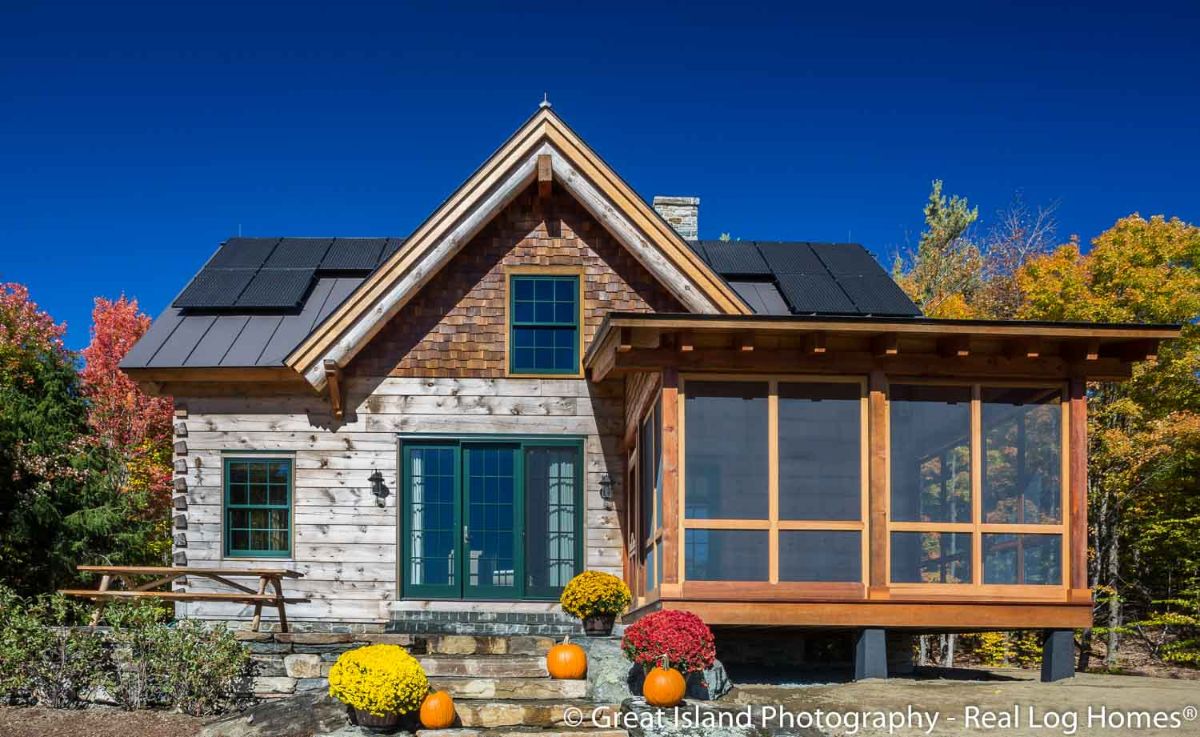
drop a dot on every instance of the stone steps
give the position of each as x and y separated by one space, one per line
488 714
486 666
510 688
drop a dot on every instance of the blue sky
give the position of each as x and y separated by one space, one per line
134 137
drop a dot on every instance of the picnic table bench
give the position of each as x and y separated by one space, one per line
165 575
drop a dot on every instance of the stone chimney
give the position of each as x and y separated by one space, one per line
682 213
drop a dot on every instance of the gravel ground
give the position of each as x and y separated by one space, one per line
35 721
952 693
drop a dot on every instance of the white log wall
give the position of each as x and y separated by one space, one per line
344 544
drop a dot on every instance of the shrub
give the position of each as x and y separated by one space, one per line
138 643
204 668
682 637
592 592
379 679
61 664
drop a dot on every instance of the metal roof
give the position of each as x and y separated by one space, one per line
258 298
814 278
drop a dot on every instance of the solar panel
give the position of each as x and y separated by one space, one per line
846 258
393 245
808 293
791 258
763 297
214 287
353 254
276 288
298 253
736 258
243 253
876 294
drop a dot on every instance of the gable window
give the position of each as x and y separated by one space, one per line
543 324
258 507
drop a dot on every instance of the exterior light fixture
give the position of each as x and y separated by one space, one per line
378 489
606 488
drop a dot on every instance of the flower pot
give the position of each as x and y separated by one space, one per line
385 723
599 625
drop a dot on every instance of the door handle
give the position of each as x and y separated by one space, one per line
466 534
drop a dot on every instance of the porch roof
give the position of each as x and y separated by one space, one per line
631 342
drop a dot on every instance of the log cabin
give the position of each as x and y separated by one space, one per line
550 374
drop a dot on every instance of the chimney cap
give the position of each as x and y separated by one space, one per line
675 200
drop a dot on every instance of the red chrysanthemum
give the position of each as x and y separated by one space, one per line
682 637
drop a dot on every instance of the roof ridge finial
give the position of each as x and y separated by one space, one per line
545 103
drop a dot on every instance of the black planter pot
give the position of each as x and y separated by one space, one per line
599 625
385 723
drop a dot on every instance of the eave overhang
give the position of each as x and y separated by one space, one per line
634 342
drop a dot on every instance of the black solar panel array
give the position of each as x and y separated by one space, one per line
277 273
814 278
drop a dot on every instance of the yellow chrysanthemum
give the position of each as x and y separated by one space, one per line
379 679
592 592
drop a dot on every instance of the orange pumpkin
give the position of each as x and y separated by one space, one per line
437 711
664 686
566 661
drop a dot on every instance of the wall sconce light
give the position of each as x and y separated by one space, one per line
606 488
378 489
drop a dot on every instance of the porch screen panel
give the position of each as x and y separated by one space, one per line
726 555
931 453
726 450
820 451
551 517
1022 559
433 527
1022 456
820 555
931 557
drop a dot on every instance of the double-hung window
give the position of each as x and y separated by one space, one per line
258 507
543 324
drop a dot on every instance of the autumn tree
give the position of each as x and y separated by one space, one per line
941 276
134 426
1144 449
58 504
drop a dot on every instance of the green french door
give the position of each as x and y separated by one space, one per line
491 518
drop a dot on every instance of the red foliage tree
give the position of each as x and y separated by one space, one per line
133 424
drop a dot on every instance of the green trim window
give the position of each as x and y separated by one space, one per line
258 507
543 324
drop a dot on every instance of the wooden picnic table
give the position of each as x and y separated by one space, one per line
165 575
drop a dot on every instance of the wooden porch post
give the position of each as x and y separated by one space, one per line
877 490
670 460
1078 485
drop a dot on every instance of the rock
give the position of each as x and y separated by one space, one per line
307 714
268 665
303 666
456 645
609 674
311 684
315 638
274 685
711 684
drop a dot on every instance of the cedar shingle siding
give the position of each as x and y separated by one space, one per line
455 327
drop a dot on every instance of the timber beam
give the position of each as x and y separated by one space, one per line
333 380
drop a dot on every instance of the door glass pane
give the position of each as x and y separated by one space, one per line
1022 461
931 557
432 528
820 555
727 469
931 453
726 555
491 517
550 516
1022 559
820 452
